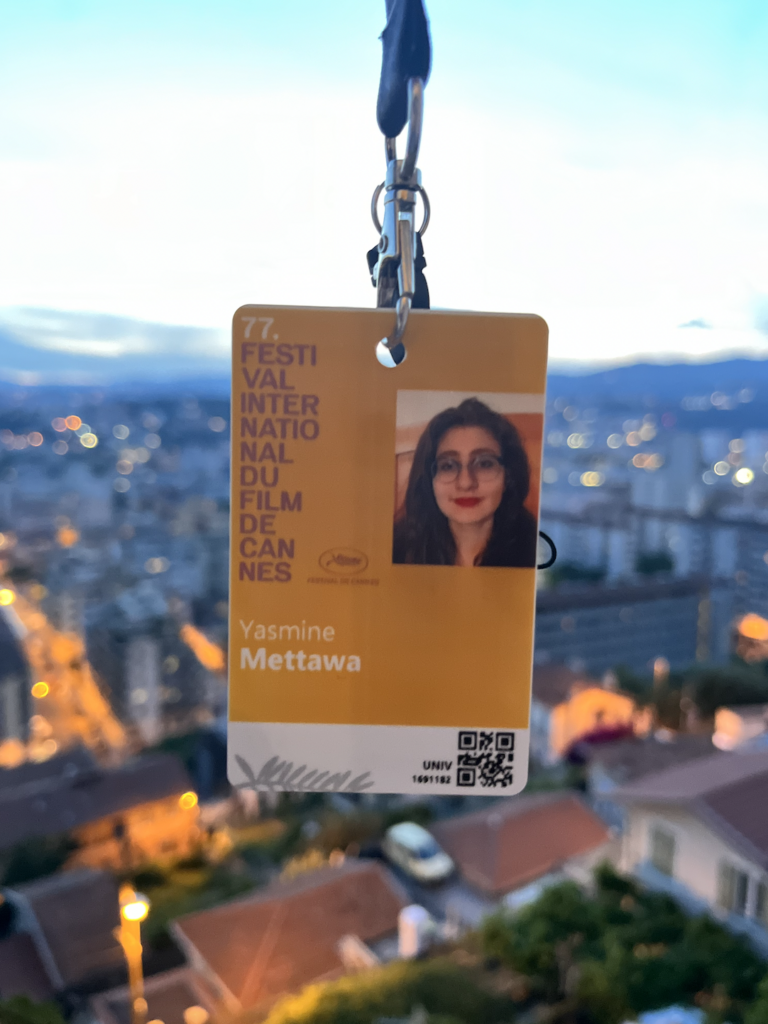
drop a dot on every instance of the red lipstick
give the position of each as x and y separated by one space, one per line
467 502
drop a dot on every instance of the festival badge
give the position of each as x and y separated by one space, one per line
385 517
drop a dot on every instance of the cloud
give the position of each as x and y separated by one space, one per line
704 325
109 337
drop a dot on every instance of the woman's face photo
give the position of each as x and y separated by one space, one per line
468 475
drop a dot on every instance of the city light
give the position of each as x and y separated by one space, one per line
634 438
592 479
35 438
217 424
120 431
121 485
40 689
722 468
6 597
124 466
88 440
647 460
207 653
188 800
60 447
615 440
156 565
736 445
137 909
743 476
152 441
73 422
753 627
59 423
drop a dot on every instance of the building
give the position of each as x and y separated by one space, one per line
699 831
255 950
118 818
59 936
14 689
568 706
511 845
634 623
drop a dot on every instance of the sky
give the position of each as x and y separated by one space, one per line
603 165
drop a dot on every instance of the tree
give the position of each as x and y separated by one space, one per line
623 950
21 1010
448 993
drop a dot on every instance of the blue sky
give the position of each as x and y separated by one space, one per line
601 164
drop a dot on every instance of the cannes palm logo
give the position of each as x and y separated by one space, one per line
343 561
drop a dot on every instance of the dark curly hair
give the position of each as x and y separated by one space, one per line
422 533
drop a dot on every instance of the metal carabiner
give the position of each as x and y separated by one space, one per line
395 271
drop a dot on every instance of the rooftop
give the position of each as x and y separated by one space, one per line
78 792
168 995
76 912
632 758
726 790
285 937
516 841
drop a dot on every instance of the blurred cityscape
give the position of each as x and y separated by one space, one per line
631 878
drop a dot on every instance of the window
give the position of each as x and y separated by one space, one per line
662 851
733 886
761 904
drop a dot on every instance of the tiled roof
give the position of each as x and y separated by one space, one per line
629 759
285 936
516 841
21 972
39 773
76 912
168 995
55 803
728 791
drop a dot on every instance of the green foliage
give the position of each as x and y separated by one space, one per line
450 994
713 688
651 562
624 951
758 1011
35 858
21 1010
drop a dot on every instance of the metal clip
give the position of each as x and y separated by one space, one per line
394 273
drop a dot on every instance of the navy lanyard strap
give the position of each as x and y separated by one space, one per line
406 53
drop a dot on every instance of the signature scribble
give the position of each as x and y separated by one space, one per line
281 776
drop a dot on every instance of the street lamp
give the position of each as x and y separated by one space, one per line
134 908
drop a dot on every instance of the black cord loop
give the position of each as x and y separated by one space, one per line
553 557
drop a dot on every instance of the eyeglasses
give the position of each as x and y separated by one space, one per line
481 468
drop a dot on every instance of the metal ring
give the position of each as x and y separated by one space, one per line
427 211
415 121
374 203
548 539
425 198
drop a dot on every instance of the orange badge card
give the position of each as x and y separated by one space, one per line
384 528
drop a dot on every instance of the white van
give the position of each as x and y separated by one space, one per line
413 849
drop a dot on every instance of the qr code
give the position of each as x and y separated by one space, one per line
485 758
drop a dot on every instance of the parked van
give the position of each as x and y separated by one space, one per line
413 849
